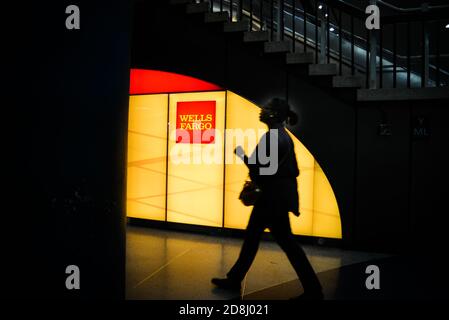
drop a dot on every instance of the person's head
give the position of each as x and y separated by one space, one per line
276 112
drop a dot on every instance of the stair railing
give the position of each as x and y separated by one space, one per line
405 52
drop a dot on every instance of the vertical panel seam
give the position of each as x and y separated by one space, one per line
224 158
166 157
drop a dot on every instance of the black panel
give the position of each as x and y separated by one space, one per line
429 175
383 175
69 103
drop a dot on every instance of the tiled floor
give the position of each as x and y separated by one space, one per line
167 265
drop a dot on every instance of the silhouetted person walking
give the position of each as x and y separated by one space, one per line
279 197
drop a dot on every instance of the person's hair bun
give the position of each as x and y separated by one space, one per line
292 118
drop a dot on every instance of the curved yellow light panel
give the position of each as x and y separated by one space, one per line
241 115
160 186
147 145
306 189
326 216
319 217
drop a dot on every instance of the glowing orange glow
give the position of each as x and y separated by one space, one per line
153 81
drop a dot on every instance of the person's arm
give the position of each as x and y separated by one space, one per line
252 167
252 162
241 154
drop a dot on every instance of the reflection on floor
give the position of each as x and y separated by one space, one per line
402 278
167 265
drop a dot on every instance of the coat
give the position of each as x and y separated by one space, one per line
278 186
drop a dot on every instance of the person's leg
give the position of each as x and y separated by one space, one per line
254 230
280 228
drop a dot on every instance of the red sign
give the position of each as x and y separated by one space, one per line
195 122
154 81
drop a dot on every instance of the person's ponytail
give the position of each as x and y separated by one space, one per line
292 118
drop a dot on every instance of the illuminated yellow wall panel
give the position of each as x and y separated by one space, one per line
147 144
195 189
195 172
326 221
304 224
240 114
319 210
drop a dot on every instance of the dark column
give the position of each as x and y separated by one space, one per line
69 91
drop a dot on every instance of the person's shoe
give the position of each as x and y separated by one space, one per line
307 296
226 283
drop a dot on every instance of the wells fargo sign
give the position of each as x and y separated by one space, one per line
195 122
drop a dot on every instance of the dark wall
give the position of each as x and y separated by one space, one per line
429 178
401 178
382 176
69 91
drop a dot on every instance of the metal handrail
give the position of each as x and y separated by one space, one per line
280 16
424 7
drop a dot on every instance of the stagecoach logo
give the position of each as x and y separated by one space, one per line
195 122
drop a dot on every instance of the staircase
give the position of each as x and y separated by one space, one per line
309 38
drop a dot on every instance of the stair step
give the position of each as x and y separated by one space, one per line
347 82
240 26
202 7
256 36
328 69
277 47
214 17
180 1
300 58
